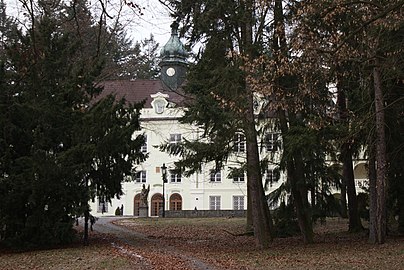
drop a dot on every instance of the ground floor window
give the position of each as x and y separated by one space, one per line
156 204
238 202
214 202
176 202
136 205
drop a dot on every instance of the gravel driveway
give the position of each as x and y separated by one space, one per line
148 253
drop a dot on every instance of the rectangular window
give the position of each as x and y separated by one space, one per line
215 176
214 202
140 177
271 141
239 178
102 206
239 143
238 202
272 176
144 146
175 138
175 176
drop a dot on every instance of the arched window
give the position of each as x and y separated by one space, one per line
156 204
136 204
175 202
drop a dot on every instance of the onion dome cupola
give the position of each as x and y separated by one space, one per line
174 64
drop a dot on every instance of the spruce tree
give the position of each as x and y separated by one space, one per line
223 104
60 149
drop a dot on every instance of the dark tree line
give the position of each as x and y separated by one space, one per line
58 148
290 53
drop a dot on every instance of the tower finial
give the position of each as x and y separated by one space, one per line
174 28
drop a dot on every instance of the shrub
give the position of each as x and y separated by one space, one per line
285 221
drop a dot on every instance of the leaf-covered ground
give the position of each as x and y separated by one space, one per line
198 243
101 254
214 241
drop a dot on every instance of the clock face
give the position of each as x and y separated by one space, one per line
170 71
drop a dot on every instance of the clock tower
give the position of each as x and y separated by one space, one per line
174 62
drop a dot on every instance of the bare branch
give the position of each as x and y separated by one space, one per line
134 6
104 10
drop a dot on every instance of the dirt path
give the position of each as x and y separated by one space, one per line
148 253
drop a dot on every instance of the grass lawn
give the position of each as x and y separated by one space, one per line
215 241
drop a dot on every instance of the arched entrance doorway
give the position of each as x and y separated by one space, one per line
361 171
156 204
136 204
176 202
361 175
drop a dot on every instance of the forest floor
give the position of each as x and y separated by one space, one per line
210 243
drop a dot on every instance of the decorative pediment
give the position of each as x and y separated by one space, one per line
159 102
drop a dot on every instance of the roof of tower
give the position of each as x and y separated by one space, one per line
174 50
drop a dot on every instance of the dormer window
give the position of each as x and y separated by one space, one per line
159 106
159 102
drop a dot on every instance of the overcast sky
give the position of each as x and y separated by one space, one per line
155 20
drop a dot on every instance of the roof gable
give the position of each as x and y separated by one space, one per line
138 90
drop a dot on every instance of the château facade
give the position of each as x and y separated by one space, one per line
164 106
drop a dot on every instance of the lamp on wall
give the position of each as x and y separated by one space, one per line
164 176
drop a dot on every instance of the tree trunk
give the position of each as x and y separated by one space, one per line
355 224
86 218
246 35
260 214
295 177
262 222
86 214
294 165
302 204
372 194
381 223
313 196
401 219
344 212
348 179
249 225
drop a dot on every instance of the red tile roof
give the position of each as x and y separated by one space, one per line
139 90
